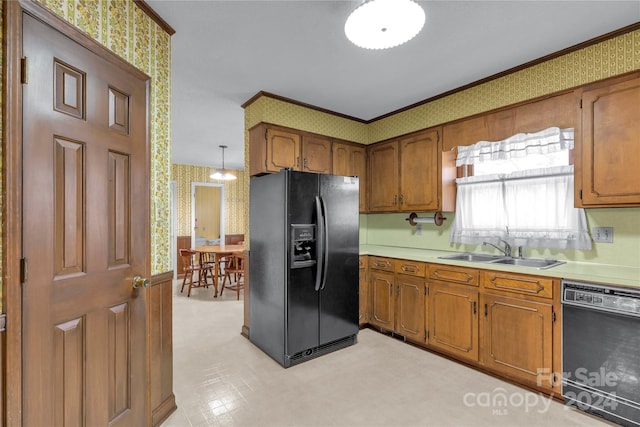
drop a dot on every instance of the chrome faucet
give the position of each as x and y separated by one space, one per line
507 247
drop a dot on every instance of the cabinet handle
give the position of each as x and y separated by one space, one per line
409 268
382 265
401 198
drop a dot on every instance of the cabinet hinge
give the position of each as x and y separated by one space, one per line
3 322
580 194
266 132
23 70
23 270
426 335
581 103
437 136
553 316
426 290
554 379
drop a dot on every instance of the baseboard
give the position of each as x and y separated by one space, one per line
163 411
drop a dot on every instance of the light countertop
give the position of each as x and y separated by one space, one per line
580 271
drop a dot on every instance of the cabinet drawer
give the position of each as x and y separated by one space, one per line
362 261
411 268
454 274
518 283
380 263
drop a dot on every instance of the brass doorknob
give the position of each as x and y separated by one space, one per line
140 282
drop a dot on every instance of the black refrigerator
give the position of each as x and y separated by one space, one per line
303 265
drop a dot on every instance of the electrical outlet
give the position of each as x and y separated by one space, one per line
602 234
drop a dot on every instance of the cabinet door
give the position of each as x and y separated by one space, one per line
283 150
419 172
351 160
363 292
410 321
382 307
453 321
517 338
610 148
316 153
383 177
359 163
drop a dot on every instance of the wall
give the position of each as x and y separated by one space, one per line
608 58
235 200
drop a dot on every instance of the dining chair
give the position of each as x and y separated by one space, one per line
235 268
191 266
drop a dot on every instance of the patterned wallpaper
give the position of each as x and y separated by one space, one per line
126 30
235 197
605 59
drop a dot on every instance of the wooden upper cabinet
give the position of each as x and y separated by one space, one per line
316 154
407 175
608 152
273 149
557 110
419 156
351 160
383 177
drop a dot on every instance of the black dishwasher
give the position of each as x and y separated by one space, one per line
601 350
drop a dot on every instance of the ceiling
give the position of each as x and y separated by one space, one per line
224 52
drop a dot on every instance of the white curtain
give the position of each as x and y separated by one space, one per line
529 202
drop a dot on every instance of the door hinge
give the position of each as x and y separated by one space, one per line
581 103
426 290
3 322
474 307
580 194
437 136
485 310
23 70
23 270
266 132
553 316
554 379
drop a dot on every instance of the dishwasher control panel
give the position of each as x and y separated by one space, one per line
607 298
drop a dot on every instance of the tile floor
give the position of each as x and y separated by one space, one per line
221 379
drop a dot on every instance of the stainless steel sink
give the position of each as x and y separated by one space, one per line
471 257
539 263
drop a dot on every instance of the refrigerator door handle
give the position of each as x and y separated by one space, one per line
320 243
325 244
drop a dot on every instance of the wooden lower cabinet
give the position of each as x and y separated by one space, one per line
453 320
516 338
381 285
363 285
410 307
505 323
398 303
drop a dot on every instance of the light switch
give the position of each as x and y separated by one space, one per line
602 234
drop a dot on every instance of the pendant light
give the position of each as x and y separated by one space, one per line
382 24
222 174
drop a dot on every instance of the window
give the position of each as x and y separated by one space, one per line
521 191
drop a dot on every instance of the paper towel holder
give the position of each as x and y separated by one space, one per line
437 219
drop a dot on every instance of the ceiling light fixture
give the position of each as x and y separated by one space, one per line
381 24
222 174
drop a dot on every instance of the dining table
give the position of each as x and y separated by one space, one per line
216 252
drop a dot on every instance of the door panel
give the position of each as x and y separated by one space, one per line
382 306
86 234
410 319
